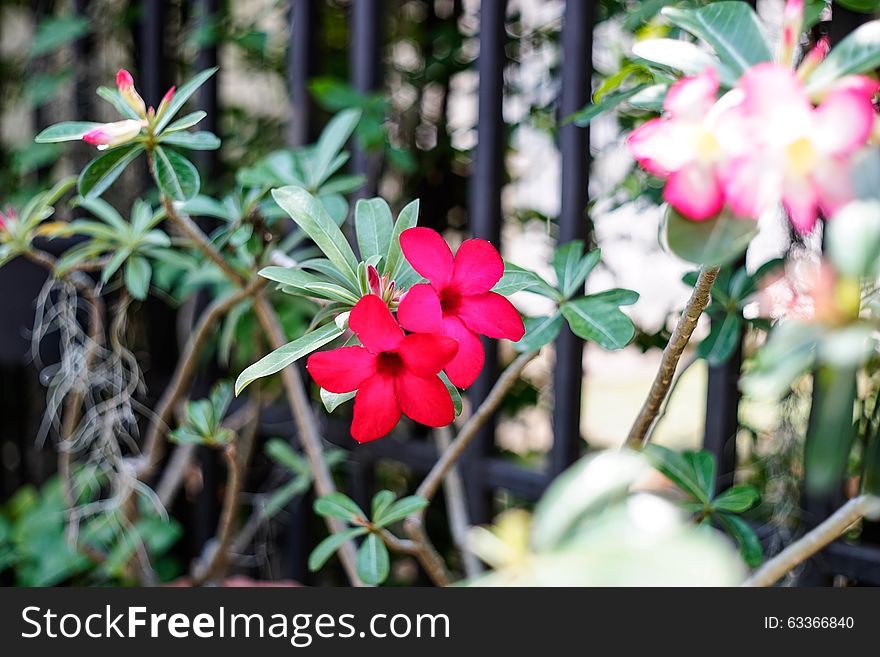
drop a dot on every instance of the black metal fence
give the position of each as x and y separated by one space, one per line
485 472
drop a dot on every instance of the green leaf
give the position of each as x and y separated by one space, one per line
678 469
372 219
731 28
311 216
104 211
284 455
289 353
176 176
722 340
308 285
702 463
381 501
572 266
101 172
112 96
737 499
185 122
859 52
197 141
333 400
373 562
539 331
339 505
830 432
325 549
204 206
453 393
745 536
517 279
683 56
332 140
181 95
67 131
600 321
714 242
56 31
399 510
395 263
584 117
137 277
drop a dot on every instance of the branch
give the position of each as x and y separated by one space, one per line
687 322
307 428
864 506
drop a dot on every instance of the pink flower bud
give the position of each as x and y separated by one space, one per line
125 84
108 135
792 24
373 280
163 104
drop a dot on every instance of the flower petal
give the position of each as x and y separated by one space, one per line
752 183
376 411
377 330
843 122
428 253
419 310
341 370
661 146
425 354
425 400
695 192
692 97
491 314
478 266
465 367
801 201
834 183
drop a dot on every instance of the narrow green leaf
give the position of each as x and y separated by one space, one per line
585 116
137 277
67 131
101 172
304 284
373 563
702 463
572 266
722 340
454 393
395 263
539 331
381 501
831 431
677 469
289 353
185 122
737 499
400 510
176 176
283 454
599 321
325 549
181 95
112 96
516 279
859 52
332 140
333 400
339 505
196 141
374 226
745 536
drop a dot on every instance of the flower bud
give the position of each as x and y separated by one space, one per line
108 135
813 58
163 105
125 84
792 24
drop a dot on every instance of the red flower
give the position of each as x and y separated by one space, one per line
392 373
458 302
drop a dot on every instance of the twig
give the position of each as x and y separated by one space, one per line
687 322
864 506
307 428
679 373
456 508
184 373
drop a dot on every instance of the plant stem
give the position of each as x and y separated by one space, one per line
307 428
864 506
687 322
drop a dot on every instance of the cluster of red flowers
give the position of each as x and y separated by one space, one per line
396 370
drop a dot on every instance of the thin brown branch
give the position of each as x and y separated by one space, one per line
832 528
687 322
307 428
426 553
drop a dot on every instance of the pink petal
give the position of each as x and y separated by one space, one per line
377 330
833 180
692 97
801 201
465 367
478 266
695 192
653 146
376 411
419 310
425 400
843 122
751 183
428 254
425 354
341 370
772 90
492 315
124 79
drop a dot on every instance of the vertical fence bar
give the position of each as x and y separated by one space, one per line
303 16
722 417
484 218
574 146
365 69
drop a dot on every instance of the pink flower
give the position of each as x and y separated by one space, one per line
392 373
383 287
125 84
458 302
683 147
792 24
789 149
166 99
108 135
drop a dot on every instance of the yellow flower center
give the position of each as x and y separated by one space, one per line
802 156
707 147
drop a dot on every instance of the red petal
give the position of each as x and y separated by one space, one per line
343 369
465 367
376 411
425 354
428 254
491 314
377 330
419 310
425 400
478 266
